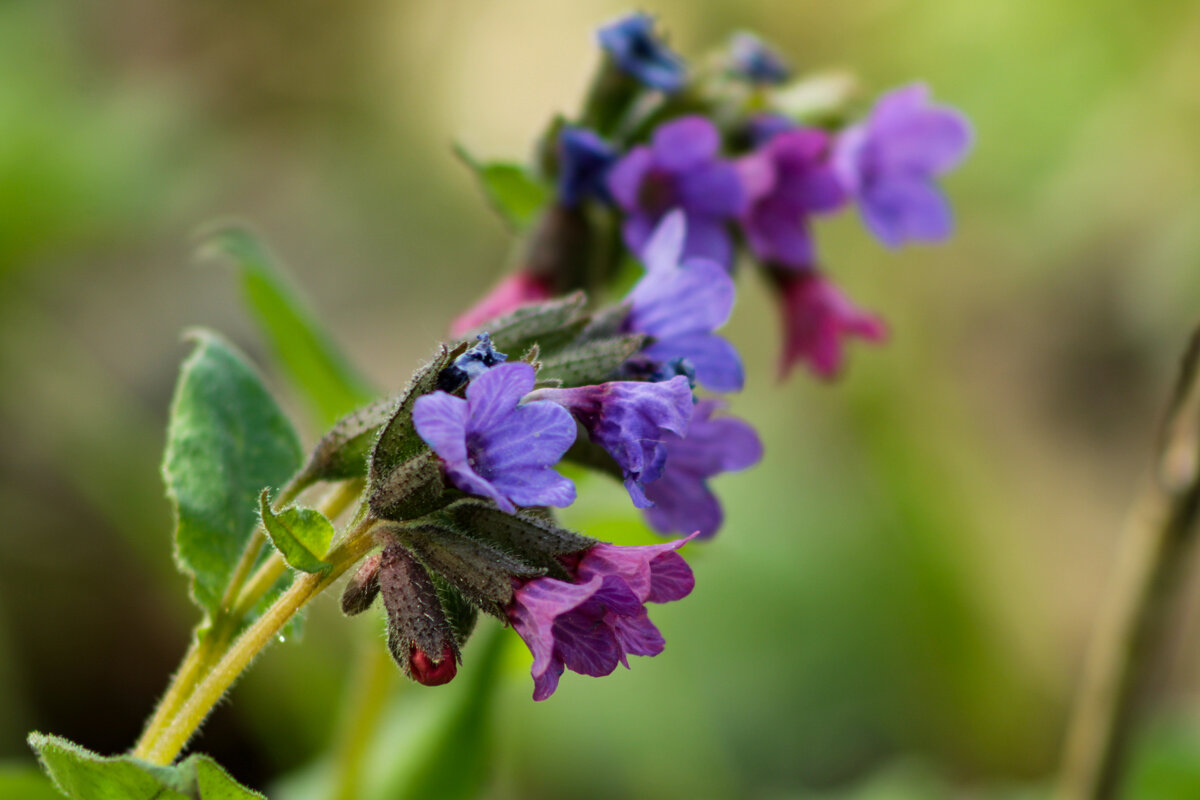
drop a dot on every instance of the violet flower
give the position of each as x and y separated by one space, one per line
584 161
631 421
889 163
514 291
682 500
680 305
592 625
788 179
492 446
638 52
679 169
817 317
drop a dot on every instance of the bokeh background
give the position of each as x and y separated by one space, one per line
900 600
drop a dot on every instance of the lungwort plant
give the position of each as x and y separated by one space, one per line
666 179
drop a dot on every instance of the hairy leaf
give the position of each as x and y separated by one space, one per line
226 440
590 362
514 191
83 775
301 535
311 359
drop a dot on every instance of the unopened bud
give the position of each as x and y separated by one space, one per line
426 671
362 588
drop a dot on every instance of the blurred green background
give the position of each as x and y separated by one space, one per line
899 602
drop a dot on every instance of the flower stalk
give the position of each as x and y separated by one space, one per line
1159 535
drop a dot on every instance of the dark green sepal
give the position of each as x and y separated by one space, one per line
518 331
413 489
478 569
591 362
416 618
398 444
343 453
529 536
363 586
461 613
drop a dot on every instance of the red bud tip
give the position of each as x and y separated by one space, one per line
428 672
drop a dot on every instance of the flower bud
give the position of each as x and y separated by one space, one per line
428 672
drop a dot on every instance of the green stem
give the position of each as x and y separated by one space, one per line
372 683
265 630
1154 550
205 650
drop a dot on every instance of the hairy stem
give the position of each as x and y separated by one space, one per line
253 641
1155 543
237 601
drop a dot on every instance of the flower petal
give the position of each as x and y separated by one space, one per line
684 143
665 248
625 178
717 363
441 420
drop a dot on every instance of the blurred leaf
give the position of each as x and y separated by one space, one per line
512 189
301 535
321 373
83 775
226 439
21 782
1166 764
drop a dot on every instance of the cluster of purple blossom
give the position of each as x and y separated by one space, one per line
615 388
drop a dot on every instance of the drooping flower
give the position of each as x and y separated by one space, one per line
817 317
753 61
519 289
593 624
682 500
680 305
631 420
889 163
638 52
493 446
680 169
788 179
584 159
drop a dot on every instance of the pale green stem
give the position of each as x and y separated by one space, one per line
1128 638
205 650
265 630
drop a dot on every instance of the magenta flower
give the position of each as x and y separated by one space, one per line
889 163
682 500
593 624
680 305
514 291
817 316
679 169
493 446
631 420
788 179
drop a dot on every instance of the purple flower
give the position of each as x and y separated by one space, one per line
755 62
584 160
889 162
817 316
630 420
493 447
639 53
679 169
591 625
680 305
682 500
788 180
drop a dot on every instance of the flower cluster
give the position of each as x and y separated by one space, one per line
691 168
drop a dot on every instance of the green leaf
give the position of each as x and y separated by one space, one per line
226 439
312 361
83 775
512 189
301 535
